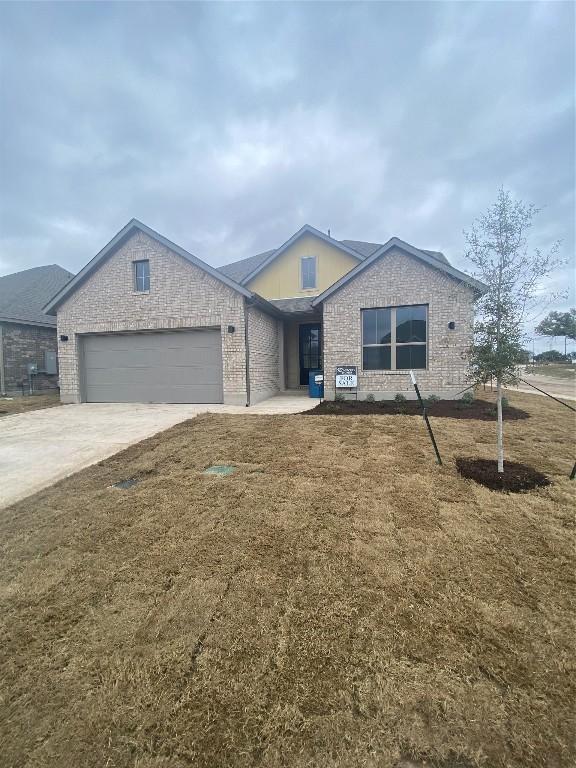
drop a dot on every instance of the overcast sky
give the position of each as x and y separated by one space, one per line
227 126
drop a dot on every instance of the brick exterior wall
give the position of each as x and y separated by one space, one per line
394 280
264 345
181 296
23 344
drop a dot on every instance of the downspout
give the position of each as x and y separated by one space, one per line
247 349
2 375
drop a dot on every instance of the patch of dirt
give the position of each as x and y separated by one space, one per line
515 478
480 410
11 405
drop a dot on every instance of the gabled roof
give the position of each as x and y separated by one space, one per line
24 294
117 241
244 269
424 256
306 229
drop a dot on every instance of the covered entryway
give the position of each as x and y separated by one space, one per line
153 367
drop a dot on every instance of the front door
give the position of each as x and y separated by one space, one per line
310 350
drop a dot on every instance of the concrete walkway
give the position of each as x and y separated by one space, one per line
38 448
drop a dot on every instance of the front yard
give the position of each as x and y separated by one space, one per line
338 601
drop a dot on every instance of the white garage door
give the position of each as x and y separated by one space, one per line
158 367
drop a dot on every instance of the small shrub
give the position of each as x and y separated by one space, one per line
433 399
400 401
505 402
370 398
465 401
339 397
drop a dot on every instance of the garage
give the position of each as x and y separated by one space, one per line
153 367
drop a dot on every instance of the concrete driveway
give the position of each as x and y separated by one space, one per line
38 448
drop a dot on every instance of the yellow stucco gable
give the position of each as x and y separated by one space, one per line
281 279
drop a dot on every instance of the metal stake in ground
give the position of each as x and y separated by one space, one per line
425 417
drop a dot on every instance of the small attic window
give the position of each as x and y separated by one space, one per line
308 272
141 276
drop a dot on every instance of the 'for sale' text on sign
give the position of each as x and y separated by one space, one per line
346 376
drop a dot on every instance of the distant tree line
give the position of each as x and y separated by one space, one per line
558 324
553 356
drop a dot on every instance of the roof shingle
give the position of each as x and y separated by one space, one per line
24 294
238 270
297 305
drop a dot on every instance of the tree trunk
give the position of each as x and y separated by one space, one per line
500 427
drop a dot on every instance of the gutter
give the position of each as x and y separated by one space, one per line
247 349
2 376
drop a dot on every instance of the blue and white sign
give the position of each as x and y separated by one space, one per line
346 376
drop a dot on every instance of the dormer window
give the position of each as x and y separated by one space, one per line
308 272
141 276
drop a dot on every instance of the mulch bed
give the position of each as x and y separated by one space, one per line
451 409
516 477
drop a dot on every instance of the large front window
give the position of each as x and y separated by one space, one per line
394 338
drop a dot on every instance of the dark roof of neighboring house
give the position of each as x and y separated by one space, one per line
24 294
240 270
299 305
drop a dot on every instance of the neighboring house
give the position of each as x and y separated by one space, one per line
145 321
27 333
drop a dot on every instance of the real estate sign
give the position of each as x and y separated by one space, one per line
346 376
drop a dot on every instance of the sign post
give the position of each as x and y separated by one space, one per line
319 380
425 417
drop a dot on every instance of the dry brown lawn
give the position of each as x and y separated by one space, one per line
10 405
340 601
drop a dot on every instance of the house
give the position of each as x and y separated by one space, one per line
28 339
146 321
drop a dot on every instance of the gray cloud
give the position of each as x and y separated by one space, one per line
228 126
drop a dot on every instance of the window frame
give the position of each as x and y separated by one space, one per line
315 262
135 276
393 343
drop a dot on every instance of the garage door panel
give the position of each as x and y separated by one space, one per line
146 358
181 375
163 367
128 393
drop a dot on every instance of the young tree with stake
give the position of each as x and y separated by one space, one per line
497 247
